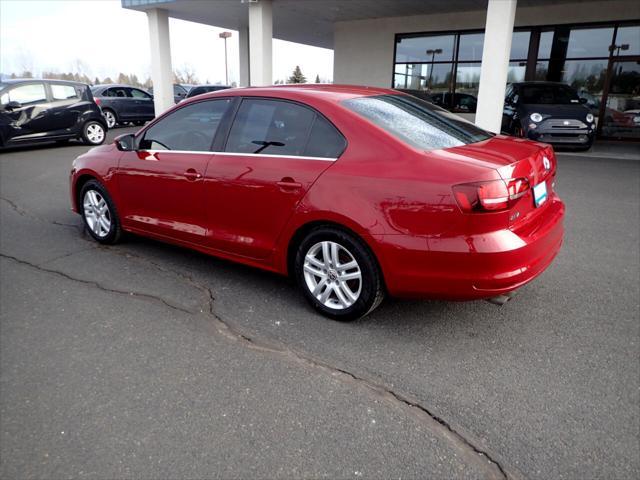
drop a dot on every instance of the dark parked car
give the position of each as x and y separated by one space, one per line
180 91
33 111
548 112
124 103
200 89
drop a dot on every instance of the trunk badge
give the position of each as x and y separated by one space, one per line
546 163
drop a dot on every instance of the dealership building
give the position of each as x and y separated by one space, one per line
464 51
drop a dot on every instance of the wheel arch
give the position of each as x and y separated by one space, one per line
303 230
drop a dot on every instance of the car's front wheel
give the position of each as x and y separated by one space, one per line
338 274
99 213
110 118
93 133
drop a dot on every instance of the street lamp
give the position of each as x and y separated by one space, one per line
624 46
225 35
433 54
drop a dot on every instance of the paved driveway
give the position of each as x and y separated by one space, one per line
147 360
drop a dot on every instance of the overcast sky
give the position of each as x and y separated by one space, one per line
103 39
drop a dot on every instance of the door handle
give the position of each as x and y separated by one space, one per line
288 183
192 175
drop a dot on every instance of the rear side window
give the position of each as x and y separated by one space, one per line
325 141
191 128
63 92
116 92
418 123
271 127
25 94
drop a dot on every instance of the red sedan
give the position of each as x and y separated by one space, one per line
357 192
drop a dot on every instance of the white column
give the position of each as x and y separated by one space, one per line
161 71
243 44
495 63
260 35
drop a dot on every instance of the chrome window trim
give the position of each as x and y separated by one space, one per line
236 154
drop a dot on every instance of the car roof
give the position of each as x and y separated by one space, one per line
14 81
116 85
541 82
325 91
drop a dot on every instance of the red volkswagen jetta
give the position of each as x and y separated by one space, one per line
354 191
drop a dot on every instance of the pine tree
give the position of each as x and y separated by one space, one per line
317 78
297 76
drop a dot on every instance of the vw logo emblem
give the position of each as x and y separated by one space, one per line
546 163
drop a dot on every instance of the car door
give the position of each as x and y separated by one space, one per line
121 101
270 160
26 112
143 104
160 184
65 108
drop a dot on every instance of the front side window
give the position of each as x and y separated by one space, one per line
63 92
139 94
25 94
416 122
191 128
271 127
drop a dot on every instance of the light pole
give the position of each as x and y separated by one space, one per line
225 35
433 54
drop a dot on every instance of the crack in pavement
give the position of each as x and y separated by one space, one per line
224 328
96 284
24 213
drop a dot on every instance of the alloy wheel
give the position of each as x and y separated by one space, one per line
96 213
110 118
95 133
332 275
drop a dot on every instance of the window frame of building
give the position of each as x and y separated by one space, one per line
539 65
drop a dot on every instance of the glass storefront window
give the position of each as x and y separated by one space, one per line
589 42
629 36
587 77
516 72
622 112
414 49
470 48
546 41
520 45
427 77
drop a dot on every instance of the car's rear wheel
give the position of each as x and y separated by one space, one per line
93 133
110 118
338 274
99 213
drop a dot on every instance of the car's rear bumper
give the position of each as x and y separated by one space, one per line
474 266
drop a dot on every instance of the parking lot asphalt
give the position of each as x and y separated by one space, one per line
147 360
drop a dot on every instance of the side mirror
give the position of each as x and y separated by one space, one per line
583 100
12 106
126 142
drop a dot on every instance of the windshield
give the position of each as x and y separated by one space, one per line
548 95
416 122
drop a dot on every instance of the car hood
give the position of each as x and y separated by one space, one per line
578 110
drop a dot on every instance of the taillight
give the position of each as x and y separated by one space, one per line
98 101
491 196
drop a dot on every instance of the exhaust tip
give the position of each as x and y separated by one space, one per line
501 299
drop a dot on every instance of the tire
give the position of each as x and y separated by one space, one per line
342 300
110 117
99 212
93 133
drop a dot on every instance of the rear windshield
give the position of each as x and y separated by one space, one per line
416 122
548 95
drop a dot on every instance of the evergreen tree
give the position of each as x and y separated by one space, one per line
297 76
317 78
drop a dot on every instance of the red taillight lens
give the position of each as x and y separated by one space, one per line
98 101
491 196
